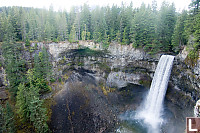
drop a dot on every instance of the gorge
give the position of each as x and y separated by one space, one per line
99 69
100 90
98 82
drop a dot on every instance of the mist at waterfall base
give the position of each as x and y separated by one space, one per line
149 116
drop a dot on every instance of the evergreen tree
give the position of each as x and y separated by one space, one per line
197 32
85 19
99 26
14 64
106 40
179 37
77 25
61 25
125 39
88 36
143 27
42 70
72 36
194 6
118 36
38 115
48 31
22 103
83 35
45 65
71 19
115 11
9 119
2 119
37 111
166 24
29 107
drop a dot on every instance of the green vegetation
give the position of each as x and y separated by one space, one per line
30 107
106 90
28 80
7 123
87 52
155 30
163 30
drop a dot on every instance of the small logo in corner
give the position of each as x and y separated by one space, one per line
193 125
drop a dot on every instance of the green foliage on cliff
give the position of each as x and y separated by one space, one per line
26 89
179 37
88 52
30 107
7 119
192 30
11 51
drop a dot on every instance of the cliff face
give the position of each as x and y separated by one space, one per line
117 67
120 65
185 76
123 64
91 73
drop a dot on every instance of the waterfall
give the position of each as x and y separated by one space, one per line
151 112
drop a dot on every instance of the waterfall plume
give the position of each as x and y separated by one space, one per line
151 111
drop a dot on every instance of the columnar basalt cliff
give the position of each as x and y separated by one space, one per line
122 64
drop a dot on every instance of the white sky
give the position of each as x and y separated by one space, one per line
66 4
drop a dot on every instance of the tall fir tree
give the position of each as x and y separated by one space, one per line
30 107
179 37
166 24
22 103
38 115
2 119
9 119
14 64
143 27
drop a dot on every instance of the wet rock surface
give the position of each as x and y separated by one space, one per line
82 107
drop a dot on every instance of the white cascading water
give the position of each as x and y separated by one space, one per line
151 112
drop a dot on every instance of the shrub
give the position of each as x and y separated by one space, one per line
59 79
52 80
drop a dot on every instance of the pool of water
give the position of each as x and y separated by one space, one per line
173 116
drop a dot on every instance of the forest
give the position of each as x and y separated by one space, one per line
147 27
153 29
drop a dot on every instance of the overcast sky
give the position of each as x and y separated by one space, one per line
66 4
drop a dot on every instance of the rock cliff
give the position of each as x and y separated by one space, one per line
90 72
123 64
